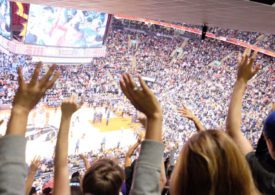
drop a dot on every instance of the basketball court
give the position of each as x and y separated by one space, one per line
86 135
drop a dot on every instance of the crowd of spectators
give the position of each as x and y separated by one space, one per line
180 71
262 40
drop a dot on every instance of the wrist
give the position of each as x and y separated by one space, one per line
242 81
66 116
155 116
19 110
195 119
241 84
32 172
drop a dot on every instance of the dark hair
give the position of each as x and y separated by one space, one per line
33 191
75 174
129 172
105 177
47 191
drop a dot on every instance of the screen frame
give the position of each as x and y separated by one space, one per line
71 47
11 32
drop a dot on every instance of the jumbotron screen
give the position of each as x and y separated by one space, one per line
5 19
51 26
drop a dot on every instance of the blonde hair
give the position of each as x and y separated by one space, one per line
211 163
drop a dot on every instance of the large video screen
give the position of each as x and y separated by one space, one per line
5 19
51 26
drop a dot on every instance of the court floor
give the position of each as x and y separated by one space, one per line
86 133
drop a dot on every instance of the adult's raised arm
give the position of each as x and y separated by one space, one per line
147 171
27 96
185 112
13 144
61 172
246 71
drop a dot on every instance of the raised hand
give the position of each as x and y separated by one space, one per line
146 102
246 70
142 98
70 106
35 164
28 95
185 112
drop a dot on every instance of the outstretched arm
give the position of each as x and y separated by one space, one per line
233 124
27 96
61 172
13 145
148 166
185 112
145 101
32 171
130 152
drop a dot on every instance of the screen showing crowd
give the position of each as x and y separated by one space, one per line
50 26
5 19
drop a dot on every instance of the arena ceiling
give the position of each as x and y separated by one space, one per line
233 14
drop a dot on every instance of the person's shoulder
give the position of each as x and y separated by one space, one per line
254 162
264 178
258 166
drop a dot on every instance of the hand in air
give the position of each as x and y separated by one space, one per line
29 94
246 69
35 164
142 97
69 106
185 112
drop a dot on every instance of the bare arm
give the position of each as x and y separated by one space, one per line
61 172
31 175
185 112
128 162
148 166
12 155
233 123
